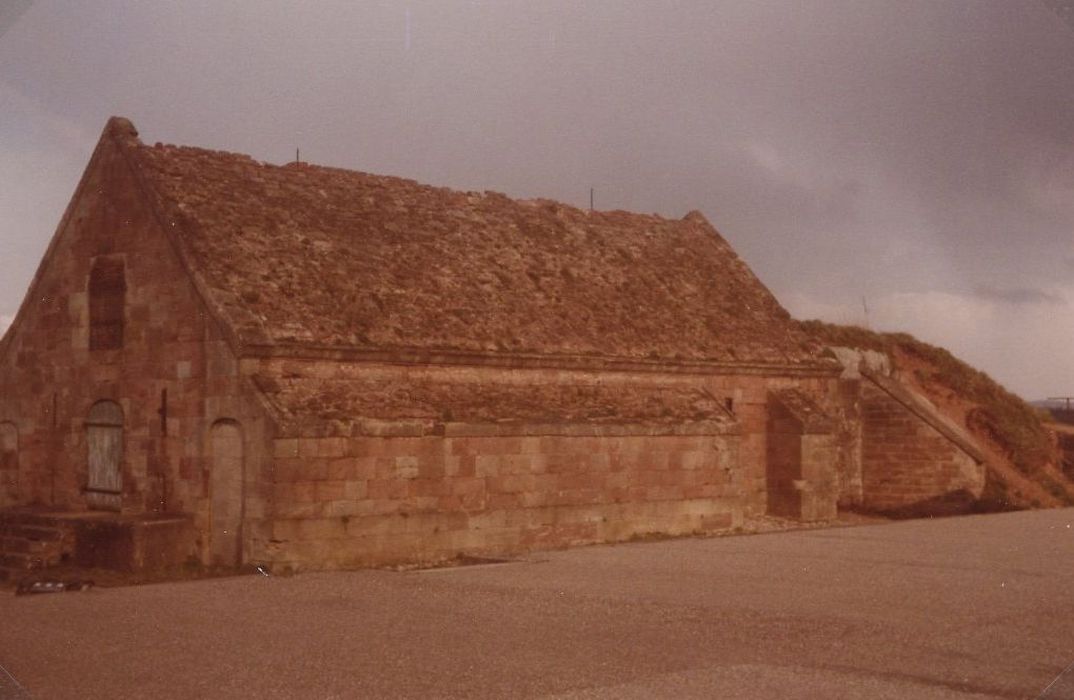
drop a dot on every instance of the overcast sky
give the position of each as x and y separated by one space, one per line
912 158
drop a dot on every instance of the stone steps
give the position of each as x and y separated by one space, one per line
23 545
30 542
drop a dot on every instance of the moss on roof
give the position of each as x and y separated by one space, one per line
314 256
300 401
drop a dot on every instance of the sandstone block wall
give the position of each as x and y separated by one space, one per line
904 459
1066 447
760 444
820 493
173 376
369 500
802 478
746 394
784 463
848 435
9 464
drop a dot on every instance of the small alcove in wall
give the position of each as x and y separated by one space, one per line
9 464
107 301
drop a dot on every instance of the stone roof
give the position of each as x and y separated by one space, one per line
302 256
805 410
350 404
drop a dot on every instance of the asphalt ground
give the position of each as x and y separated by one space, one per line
971 607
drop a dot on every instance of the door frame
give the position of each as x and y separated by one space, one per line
238 518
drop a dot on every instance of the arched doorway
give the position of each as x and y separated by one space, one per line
104 441
226 494
9 464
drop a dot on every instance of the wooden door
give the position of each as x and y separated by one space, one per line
226 495
104 438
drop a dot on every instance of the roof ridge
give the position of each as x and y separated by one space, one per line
693 216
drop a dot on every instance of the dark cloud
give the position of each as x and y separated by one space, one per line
1063 9
846 148
10 11
1018 296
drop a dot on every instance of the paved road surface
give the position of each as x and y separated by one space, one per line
961 608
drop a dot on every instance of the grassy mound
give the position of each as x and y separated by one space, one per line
1008 421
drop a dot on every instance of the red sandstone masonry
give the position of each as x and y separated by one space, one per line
379 451
517 493
904 459
170 344
748 394
800 474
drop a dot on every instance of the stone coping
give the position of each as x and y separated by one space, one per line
374 428
923 409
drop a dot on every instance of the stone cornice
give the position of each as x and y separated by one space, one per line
412 356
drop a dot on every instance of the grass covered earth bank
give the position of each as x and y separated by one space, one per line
1024 468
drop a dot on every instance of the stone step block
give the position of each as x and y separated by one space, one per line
24 518
9 575
22 562
22 545
39 533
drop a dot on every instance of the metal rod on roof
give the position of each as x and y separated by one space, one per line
590 199
296 155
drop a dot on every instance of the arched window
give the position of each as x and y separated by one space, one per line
107 297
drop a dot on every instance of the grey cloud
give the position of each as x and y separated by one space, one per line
844 147
1018 295
1063 9
10 11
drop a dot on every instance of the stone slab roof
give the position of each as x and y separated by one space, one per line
302 256
301 402
813 418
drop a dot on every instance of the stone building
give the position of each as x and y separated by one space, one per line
298 365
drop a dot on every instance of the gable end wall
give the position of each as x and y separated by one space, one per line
49 377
